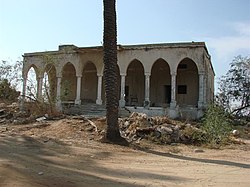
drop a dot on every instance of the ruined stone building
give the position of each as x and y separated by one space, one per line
174 79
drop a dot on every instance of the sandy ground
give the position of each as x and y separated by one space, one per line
65 153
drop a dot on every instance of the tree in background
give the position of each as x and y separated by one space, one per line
234 88
111 72
12 72
232 104
11 82
10 79
8 93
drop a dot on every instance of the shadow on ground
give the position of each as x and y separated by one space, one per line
25 161
202 160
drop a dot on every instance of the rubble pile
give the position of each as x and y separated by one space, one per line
158 129
11 114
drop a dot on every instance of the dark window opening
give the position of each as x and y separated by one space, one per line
182 89
182 66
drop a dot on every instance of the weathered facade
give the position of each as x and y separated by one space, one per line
174 79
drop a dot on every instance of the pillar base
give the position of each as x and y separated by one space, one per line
200 105
98 102
77 101
173 113
173 104
122 103
146 104
200 113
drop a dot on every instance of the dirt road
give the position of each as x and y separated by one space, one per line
30 160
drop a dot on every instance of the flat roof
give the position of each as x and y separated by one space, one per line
122 47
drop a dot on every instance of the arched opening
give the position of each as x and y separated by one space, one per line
32 84
68 85
89 83
160 84
135 84
187 81
49 83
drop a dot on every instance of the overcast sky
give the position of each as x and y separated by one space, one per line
39 25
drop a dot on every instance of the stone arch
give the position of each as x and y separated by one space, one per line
29 62
160 83
68 90
89 83
199 66
128 63
36 69
135 84
60 68
32 74
187 83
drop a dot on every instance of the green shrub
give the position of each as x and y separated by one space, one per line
192 135
216 126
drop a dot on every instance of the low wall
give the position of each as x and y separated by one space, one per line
189 113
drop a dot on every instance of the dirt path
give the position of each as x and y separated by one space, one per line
34 161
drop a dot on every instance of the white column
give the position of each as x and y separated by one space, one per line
173 90
23 93
99 90
58 94
201 90
122 101
78 91
147 88
39 88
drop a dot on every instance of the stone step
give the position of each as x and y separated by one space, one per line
90 110
124 112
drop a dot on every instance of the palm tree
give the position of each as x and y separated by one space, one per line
111 72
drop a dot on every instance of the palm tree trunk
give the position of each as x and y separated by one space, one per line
111 71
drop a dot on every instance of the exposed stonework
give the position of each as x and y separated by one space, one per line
178 78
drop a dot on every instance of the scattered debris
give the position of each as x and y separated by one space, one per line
10 113
235 132
41 119
2 112
159 129
3 129
199 151
135 128
91 123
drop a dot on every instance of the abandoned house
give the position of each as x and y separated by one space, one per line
173 79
